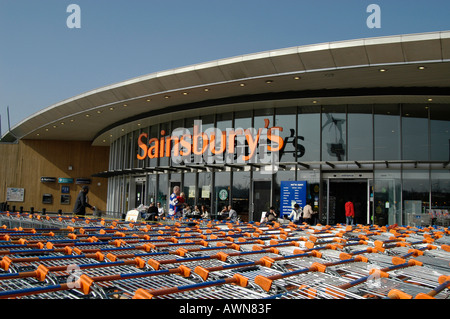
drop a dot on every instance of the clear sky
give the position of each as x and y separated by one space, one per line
43 61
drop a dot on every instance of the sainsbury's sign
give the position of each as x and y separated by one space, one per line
215 146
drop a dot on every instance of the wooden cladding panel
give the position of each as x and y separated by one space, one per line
22 165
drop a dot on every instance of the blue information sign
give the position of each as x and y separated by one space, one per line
292 193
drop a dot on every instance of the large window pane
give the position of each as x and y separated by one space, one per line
163 189
416 192
387 132
153 132
440 197
287 119
222 190
440 190
308 134
387 198
204 190
241 194
165 129
189 188
242 121
260 118
440 132
360 133
334 133
151 189
414 132
224 121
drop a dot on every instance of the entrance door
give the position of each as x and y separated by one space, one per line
140 193
262 191
343 190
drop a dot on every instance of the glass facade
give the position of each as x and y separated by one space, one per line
405 148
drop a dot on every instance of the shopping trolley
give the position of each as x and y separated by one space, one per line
234 287
322 291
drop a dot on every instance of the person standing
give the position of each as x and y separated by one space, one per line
81 202
307 213
349 212
296 215
173 201
181 205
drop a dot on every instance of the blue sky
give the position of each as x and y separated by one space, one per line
43 62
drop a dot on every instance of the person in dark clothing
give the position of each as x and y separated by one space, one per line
152 212
81 202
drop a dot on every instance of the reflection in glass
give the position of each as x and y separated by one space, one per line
241 194
440 190
387 198
387 132
334 133
151 189
308 134
224 122
242 121
440 132
360 133
261 116
165 129
285 118
416 192
152 133
414 132
222 190
204 189
163 189
189 188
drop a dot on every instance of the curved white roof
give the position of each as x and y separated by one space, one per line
412 61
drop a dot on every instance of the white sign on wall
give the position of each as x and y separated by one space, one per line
15 194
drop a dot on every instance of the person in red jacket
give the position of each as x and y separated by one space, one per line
349 212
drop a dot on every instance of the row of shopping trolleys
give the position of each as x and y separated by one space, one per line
183 259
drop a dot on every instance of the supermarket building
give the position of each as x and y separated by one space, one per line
366 120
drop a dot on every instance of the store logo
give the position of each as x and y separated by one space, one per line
214 146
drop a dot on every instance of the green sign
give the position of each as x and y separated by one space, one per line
62 180
223 194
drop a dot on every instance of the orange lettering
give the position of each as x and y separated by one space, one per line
278 139
223 144
153 150
251 143
169 145
142 146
